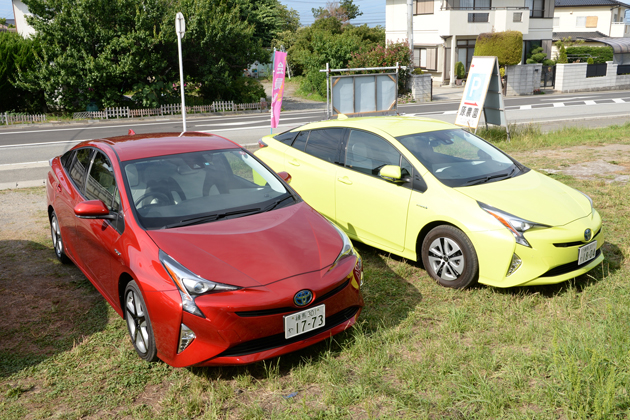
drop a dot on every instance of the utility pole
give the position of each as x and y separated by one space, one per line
180 29
410 27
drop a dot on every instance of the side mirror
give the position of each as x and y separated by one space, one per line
285 176
391 173
93 209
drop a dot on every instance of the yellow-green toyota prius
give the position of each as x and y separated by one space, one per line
428 190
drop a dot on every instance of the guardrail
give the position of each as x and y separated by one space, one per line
170 109
8 119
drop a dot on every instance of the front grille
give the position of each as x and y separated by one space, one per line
278 340
276 311
567 268
576 243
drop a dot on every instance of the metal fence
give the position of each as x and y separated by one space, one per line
623 69
596 70
8 119
172 109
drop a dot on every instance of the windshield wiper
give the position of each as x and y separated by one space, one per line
211 217
275 204
485 179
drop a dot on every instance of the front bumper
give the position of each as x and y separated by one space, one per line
553 257
247 325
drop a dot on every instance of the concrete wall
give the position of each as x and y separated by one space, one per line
421 87
572 78
523 79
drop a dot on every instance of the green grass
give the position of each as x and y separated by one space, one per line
420 351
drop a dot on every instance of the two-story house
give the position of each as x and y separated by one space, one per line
593 21
445 31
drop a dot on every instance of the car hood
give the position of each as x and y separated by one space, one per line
254 250
534 197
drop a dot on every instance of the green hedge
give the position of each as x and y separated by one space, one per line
507 46
599 54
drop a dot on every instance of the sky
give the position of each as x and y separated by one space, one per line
373 10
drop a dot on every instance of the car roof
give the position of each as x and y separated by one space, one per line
141 146
393 125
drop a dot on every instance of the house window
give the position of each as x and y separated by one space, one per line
465 51
591 21
425 58
580 22
475 4
478 17
517 17
422 7
536 8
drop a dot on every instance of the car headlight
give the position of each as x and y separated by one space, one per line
347 248
590 200
190 285
515 224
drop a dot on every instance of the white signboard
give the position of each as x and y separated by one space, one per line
482 93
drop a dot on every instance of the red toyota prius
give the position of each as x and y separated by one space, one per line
210 257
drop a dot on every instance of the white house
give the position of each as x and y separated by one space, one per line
445 31
588 16
20 11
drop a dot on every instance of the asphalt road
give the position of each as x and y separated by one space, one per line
26 149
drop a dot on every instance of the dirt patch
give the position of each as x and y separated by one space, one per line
610 162
290 101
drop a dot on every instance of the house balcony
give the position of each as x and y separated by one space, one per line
619 30
473 21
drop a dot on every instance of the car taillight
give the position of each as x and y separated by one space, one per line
261 143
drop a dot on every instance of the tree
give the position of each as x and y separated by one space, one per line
95 50
17 55
537 55
3 21
343 12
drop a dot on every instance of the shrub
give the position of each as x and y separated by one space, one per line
460 70
562 56
417 70
599 54
380 56
590 60
506 46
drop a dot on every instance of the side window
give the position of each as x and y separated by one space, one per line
300 140
286 137
66 159
324 144
101 184
406 170
368 153
79 167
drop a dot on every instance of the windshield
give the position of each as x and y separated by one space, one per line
458 158
201 187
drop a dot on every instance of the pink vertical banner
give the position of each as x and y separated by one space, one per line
280 64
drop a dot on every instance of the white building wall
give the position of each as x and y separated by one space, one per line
20 11
568 19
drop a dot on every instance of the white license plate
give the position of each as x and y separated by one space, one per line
587 252
305 321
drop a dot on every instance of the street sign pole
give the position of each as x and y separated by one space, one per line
180 29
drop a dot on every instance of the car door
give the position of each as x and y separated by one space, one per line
98 238
312 161
368 207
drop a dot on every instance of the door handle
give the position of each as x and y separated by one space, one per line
345 180
294 162
58 187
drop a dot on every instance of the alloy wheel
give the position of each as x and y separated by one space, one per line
446 258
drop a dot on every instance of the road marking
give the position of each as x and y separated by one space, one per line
526 107
619 101
568 99
450 112
249 128
558 104
590 103
44 143
246 122
23 165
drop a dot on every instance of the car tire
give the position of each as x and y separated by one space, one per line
449 257
139 324
57 240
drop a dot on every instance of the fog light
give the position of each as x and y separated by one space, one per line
186 336
514 265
